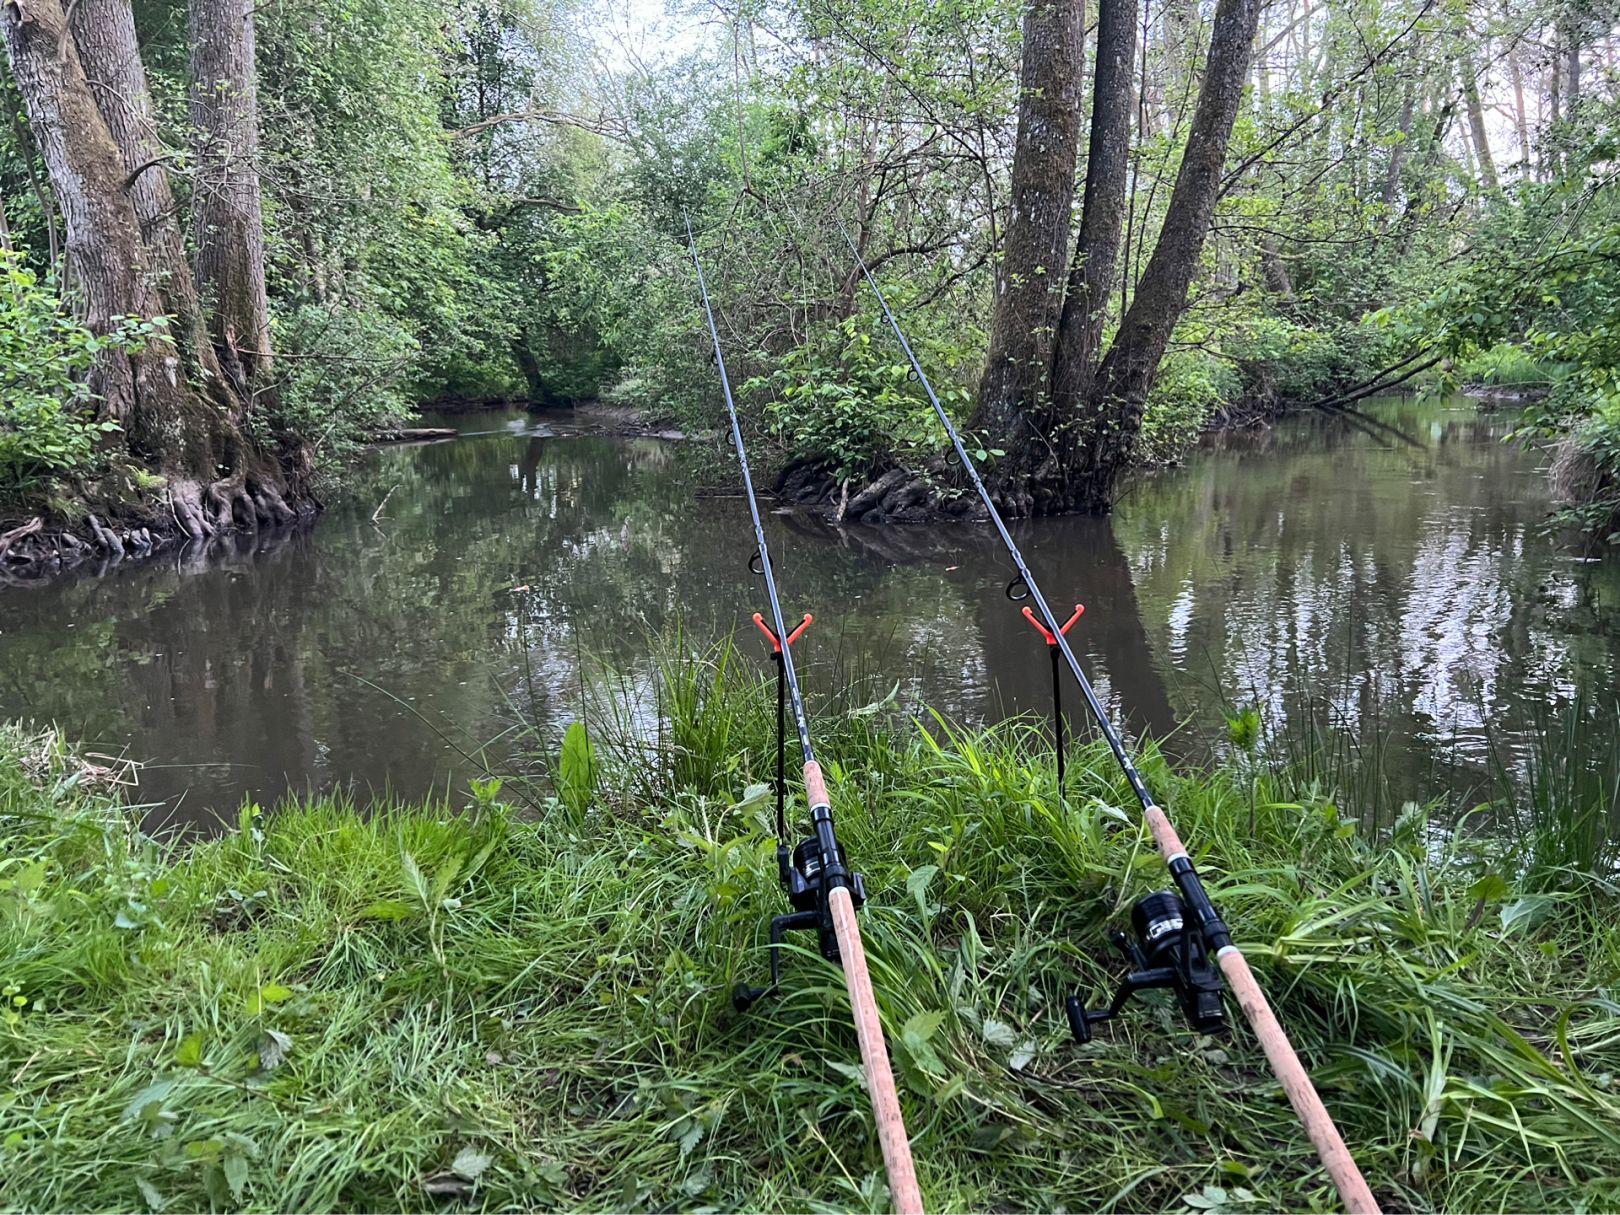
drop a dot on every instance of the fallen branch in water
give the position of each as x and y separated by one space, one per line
376 514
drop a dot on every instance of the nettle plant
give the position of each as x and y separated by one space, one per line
847 394
48 423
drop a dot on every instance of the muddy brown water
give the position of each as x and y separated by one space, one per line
1397 590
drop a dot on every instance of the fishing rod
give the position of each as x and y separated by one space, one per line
1172 947
821 889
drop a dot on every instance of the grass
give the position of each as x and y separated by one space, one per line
442 1008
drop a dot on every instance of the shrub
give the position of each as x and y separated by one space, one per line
344 373
1287 361
1190 386
847 393
48 423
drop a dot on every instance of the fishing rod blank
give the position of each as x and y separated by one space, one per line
1174 948
823 892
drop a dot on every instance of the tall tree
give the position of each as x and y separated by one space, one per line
177 416
1102 211
1035 248
104 35
1069 451
1111 419
228 211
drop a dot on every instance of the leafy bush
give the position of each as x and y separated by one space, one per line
1191 385
1586 464
611 280
48 425
1288 361
343 375
1509 364
847 392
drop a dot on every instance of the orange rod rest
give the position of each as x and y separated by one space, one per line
776 645
1029 615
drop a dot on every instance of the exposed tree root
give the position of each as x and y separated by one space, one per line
249 504
30 528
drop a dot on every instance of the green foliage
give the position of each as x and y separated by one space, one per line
1285 360
415 998
48 424
1509 365
1190 386
847 394
344 374
614 277
1544 303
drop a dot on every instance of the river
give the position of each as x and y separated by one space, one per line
1396 588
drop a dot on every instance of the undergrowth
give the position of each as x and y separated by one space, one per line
434 1007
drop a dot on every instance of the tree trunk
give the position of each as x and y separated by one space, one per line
1572 53
1476 123
229 217
1113 414
104 34
1521 120
1102 209
1015 383
1397 153
152 393
105 252
1278 280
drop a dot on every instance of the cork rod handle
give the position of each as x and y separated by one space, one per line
1313 1115
891 1125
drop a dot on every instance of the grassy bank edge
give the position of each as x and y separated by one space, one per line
434 1007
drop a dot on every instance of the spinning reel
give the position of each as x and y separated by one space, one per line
809 874
1169 951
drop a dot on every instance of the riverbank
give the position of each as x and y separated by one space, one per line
523 1002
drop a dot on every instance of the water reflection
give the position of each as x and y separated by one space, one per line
1406 592
1406 588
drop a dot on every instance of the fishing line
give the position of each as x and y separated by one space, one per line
1171 949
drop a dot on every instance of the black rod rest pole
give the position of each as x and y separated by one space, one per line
1057 717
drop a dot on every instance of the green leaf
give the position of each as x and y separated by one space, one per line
917 886
190 1051
236 1174
270 993
576 769
469 1164
1489 888
154 1200
999 1033
388 909
147 1105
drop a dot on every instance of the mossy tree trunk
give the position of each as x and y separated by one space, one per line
228 212
1015 387
179 416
